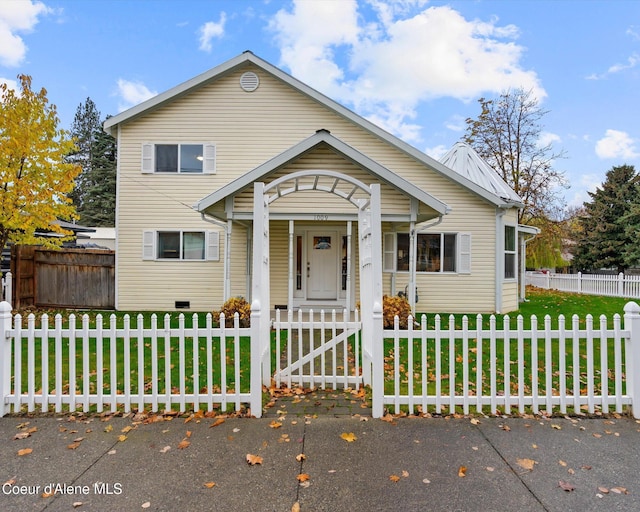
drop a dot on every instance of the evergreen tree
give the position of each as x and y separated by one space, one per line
606 240
95 192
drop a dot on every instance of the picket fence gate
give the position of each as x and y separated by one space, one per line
554 366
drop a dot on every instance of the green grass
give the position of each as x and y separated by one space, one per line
540 303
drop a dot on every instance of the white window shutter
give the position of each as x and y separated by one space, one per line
464 253
147 157
148 245
209 163
389 258
213 245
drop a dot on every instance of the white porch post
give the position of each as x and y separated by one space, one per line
291 266
349 270
260 297
376 334
413 259
227 260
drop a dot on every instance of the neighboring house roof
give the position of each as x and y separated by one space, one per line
110 125
464 160
348 152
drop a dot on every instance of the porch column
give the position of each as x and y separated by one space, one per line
227 261
291 266
413 257
349 270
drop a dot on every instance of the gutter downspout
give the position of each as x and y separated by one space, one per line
227 251
499 259
413 264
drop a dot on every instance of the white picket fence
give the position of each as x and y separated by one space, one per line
619 285
129 366
549 367
7 283
555 365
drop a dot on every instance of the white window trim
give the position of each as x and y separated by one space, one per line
463 252
150 240
148 164
507 251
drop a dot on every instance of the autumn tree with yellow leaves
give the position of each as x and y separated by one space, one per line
35 178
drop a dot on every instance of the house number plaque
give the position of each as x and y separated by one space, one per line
321 216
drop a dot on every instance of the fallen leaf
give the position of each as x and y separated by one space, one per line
122 438
24 451
597 435
348 437
394 478
506 428
619 490
165 449
146 504
462 471
188 434
77 504
303 477
73 446
108 428
209 485
111 452
491 469
183 444
475 421
11 481
562 463
426 481
126 429
556 426
252 460
300 457
405 474
526 463
275 424
216 423
295 507
566 486
603 490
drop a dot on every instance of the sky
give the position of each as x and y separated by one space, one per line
417 68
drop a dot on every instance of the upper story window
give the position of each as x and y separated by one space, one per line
179 158
509 252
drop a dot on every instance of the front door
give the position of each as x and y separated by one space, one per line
322 265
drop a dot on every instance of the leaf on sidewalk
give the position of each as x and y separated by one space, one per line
394 478
183 444
209 485
526 463
349 437
217 423
252 460
462 471
24 451
566 486
303 477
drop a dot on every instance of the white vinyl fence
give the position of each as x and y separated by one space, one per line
7 283
619 285
127 365
554 366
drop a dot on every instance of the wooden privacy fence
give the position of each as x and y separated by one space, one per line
74 278
616 285
553 367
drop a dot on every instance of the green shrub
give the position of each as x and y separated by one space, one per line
231 307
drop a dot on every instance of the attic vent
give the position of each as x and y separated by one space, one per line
249 81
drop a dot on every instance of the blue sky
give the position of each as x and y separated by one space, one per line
415 67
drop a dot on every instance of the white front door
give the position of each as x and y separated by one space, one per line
322 265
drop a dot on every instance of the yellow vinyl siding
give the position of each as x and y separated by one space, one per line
248 129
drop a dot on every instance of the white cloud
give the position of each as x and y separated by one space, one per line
547 138
616 144
17 17
632 61
132 93
456 123
385 69
11 84
211 30
437 152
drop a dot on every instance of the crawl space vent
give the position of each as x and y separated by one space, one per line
249 81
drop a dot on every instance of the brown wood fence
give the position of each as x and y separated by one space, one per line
71 278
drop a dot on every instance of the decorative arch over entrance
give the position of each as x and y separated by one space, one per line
366 198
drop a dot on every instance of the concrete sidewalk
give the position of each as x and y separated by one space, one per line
408 464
